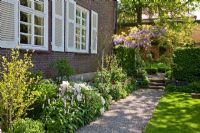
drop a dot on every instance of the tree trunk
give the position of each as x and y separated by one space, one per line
139 14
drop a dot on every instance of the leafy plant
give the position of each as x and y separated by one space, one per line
48 90
62 70
27 126
15 95
186 64
193 87
77 105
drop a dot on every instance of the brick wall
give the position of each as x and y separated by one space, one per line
82 63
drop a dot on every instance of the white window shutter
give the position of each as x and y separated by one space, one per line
94 32
9 23
71 26
58 25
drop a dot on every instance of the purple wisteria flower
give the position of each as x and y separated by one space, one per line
118 40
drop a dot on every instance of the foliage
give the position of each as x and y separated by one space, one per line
27 126
111 71
15 95
178 33
186 64
110 81
157 67
130 11
78 104
48 90
62 70
168 74
193 87
129 59
175 113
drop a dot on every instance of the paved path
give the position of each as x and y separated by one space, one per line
128 115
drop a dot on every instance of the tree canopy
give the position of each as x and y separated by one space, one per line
130 11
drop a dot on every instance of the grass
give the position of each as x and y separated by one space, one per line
176 113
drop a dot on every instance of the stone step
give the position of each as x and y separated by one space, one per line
156 87
157 84
157 80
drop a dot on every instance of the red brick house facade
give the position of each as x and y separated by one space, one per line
78 30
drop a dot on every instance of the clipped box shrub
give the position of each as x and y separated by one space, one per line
187 64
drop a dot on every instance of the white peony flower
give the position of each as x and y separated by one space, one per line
103 100
102 110
79 97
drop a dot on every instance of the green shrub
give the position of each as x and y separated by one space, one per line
27 126
77 105
15 95
186 64
118 91
62 70
110 80
48 90
130 85
193 87
168 74
129 59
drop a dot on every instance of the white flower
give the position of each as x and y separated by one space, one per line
45 97
79 97
102 110
49 101
65 84
77 89
103 100
72 101
64 100
0 131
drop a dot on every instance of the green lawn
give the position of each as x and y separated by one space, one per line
176 113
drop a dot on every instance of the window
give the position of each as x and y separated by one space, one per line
82 30
33 24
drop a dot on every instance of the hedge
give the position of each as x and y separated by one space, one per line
187 64
129 59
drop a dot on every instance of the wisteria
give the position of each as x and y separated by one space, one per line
139 36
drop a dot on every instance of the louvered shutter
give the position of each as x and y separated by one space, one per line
58 25
94 32
9 23
71 25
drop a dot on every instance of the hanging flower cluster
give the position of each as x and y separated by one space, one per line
139 36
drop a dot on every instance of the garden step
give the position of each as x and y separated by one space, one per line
157 84
157 80
156 87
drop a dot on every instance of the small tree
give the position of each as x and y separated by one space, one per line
62 69
15 80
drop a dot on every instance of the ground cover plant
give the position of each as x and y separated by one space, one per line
176 113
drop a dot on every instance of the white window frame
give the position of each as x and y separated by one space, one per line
82 9
37 13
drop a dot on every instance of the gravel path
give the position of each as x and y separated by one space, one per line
128 115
